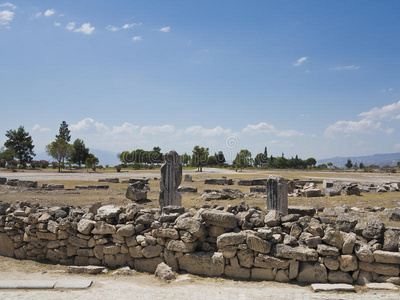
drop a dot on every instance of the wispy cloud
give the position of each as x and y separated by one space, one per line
346 68
86 28
369 123
49 12
137 38
165 29
265 128
113 28
57 24
6 16
387 90
37 127
300 61
9 5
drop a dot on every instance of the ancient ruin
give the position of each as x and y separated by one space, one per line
171 177
277 194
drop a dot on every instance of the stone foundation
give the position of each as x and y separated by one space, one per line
235 242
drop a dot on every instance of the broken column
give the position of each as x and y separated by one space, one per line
171 177
277 194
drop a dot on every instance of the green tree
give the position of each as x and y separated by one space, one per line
311 162
220 157
261 159
349 164
156 156
330 164
91 162
21 144
59 150
185 159
243 159
212 161
80 152
362 166
64 132
199 157
7 154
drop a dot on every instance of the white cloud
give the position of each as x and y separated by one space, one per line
204 132
127 26
154 130
6 16
397 146
57 24
348 68
387 90
259 128
165 29
49 12
264 128
37 127
353 127
290 133
89 124
8 4
112 28
300 61
387 111
70 26
37 15
126 128
368 124
137 38
85 29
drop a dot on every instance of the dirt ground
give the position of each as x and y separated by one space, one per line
147 286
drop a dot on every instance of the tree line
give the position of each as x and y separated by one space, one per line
18 150
200 157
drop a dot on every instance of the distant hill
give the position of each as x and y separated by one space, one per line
381 160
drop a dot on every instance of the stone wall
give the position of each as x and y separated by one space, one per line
237 242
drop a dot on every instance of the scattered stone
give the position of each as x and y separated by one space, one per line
327 287
164 272
381 286
136 191
93 270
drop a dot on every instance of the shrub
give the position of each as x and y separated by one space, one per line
43 163
119 167
54 164
2 163
20 166
34 163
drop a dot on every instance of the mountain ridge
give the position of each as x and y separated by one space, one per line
380 159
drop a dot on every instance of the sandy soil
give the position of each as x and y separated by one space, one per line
146 286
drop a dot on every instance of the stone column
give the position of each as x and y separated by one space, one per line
171 177
277 194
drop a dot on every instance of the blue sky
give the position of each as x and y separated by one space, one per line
313 78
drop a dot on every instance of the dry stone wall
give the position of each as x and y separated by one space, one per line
237 242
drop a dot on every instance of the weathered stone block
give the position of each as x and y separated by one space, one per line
219 218
240 273
203 263
379 268
262 274
312 273
257 244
